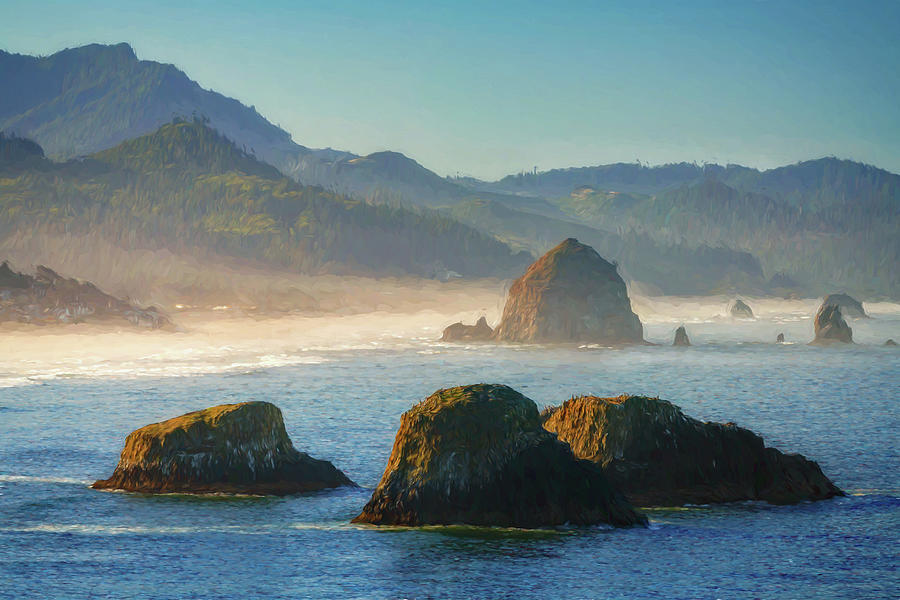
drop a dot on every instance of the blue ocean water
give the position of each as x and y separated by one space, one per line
839 406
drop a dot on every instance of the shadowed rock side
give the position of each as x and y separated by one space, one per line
571 294
850 307
46 298
658 456
830 327
681 337
231 448
779 339
478 455
740 309
479 332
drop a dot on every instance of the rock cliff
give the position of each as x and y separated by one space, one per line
458 332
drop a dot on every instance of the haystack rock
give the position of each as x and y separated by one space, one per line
231 448
46 298
779 339
740 309
850 307
478 455
681 337
831 327
658 456
479 332
571 294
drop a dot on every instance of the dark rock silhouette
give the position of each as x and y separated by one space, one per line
478 455
571 294
850 307
658 456
478 332
890 343
779 339
831 327
681 337
740 309
46 298
232 448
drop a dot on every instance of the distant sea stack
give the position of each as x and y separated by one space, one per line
232 448
740 309
850 307
571 294
478 455
46 298
681 337
658 456
779 339
479 332
831 327
890 343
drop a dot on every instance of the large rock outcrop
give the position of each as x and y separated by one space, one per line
850 307
740 309
830 327
458 332
658 456
478 455
681 337
46 298
571 294
232 448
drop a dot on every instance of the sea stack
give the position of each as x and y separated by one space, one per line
890 342
232 448
477 455
740 309
830 326
850 307
681 337
479 332
571 294
658 456
779 339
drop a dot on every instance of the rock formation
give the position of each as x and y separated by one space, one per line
681 337
232 448
478 455
479 332
890 343
850 307
740 309
779 339
658 456
46 298
571 294
831 327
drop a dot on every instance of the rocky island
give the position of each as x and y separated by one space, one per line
740 309
47 298
658 456
458 332
478 455
850 306
830 327
232 448
681 337
571 294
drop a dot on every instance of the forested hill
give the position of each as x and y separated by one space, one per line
186 186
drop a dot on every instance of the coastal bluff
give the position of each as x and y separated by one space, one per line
232 448
477 455
658 456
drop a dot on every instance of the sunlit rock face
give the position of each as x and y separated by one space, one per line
681 337
658 456
740 309
830 327
231 448
571 294
458 332
478 455
850 307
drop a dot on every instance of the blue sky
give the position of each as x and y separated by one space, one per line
489 88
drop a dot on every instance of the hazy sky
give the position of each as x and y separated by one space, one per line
489 88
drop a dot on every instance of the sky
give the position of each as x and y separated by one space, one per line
491 88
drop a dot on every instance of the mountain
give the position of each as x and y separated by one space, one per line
186 187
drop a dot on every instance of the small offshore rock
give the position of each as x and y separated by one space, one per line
850 306
890 343
478 455
740 309
232 448
658 456
681 337
779 339
458 332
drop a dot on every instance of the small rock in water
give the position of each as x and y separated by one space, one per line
779 339
681 337
890 343
458 332
740 309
